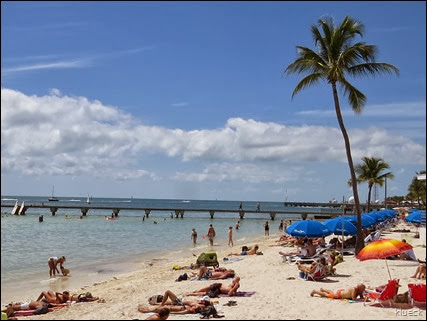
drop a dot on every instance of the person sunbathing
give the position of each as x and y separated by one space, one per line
250 252
170 298
420 273
349 293
83 297
30 305
317 269
307 251
178 308
54 298
214 274
229 290
163 314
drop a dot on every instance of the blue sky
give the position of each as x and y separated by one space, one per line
189 100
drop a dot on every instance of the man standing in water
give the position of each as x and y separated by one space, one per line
194 236
211 234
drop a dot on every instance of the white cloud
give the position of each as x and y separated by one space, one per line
58 134
393 110
77 63
179 104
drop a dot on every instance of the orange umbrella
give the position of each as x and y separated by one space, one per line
382 249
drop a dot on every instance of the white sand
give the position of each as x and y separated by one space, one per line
276 297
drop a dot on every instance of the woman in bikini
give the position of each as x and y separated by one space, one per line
54 297
53 264
349 293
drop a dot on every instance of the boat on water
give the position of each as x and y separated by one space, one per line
53 198
88 200
15 208
21 209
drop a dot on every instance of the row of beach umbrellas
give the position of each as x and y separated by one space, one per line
342 225
380 249
416 216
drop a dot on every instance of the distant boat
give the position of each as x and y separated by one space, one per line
88 199
15 208
53 198
22 208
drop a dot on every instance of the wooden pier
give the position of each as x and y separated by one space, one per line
178 212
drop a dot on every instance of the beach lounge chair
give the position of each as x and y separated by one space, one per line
373 237
293 258
386 295
417 293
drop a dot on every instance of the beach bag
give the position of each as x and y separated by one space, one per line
182 277
207 259
208 311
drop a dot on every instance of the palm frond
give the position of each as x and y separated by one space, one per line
356 99
320 43
372 68
308 61
356 54
307 82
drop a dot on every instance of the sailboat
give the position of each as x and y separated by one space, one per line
15 208
21 209
88 199
53 198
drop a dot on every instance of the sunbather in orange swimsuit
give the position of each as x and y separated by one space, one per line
336 295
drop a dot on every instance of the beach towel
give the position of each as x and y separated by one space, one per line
232 259
25 313
241 293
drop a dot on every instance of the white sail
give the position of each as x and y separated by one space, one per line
21 209
88 199
15 208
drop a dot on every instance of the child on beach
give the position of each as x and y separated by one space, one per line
230 236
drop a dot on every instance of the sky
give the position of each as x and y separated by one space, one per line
189 100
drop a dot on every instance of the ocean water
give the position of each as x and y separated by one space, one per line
97 249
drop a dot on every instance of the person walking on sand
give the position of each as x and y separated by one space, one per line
194 236
266 229
230 236
211 234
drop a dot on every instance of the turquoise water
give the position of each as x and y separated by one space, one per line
97 249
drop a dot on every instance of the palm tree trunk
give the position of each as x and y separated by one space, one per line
359 236
369 197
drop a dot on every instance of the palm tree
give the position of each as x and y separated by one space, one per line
370 171
417 190
336 57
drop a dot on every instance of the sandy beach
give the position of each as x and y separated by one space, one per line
276 296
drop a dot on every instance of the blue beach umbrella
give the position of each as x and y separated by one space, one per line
335 225
414 217
308 228
366 221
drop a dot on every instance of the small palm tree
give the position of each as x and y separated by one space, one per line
336 58
417 191
370 172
